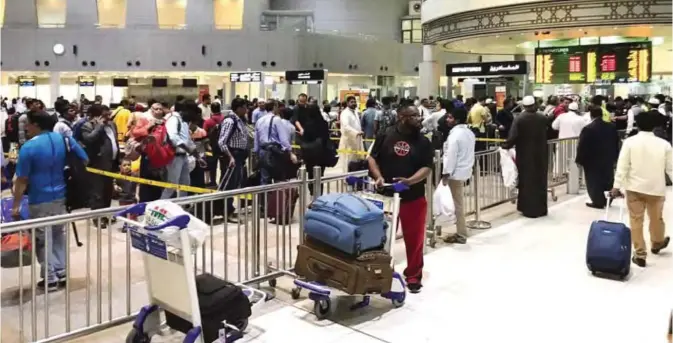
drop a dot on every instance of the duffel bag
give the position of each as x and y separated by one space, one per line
219 300
346 222
369 273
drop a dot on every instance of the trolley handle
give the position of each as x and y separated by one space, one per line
397 187
181 221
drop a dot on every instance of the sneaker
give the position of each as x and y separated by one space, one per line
52 286
455 239
639 261
415 287
656 248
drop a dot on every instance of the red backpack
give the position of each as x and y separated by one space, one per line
161 152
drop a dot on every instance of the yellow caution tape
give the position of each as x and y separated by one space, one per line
150 182
497 140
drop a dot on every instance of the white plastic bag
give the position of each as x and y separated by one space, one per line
510 173
159 211
443 208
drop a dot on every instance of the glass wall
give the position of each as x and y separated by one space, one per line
50 13
228 14
412 31
171 13
112 13
2 12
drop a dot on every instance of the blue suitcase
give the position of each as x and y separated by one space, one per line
346 222
609 247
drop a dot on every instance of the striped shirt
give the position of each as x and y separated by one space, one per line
233 134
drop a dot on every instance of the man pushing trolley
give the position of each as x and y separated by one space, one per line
207 309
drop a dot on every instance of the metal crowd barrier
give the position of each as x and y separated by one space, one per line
105 283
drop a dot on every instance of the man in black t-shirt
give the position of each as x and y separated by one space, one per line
403 154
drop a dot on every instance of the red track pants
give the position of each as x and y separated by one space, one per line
412 219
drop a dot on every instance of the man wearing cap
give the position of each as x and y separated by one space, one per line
571 123
529 136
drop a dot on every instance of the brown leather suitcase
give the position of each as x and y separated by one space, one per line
369 273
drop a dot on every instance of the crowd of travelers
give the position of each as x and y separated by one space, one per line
205 143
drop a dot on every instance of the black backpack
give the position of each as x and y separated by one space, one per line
388 119
75 176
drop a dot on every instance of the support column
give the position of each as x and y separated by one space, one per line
20 13
81 13
54 88
141 13
429 72
526 84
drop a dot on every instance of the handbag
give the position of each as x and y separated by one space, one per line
275 160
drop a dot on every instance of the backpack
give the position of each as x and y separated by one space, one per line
75 176
388 119
12 128
77 129
161 153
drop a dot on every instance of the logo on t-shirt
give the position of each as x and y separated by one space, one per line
402 148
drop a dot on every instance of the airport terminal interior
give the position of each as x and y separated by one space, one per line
511 150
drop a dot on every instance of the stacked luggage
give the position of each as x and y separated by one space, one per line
344 247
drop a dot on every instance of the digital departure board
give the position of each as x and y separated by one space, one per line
605 64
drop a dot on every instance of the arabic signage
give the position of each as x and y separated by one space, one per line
26 82
85 81
487 69
299 77
247 76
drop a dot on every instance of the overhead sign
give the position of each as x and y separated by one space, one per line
86 81
248 76
487 68
26 82
298 77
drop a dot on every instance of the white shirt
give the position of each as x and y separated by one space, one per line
350 124
205 111
642 161
569 124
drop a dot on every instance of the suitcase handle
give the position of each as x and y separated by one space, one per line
621 207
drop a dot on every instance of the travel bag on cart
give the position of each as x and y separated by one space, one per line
219 301
346 222
280 205
609 246
371 272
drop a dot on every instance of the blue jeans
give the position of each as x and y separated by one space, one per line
51 237
265 176
177 172
237 174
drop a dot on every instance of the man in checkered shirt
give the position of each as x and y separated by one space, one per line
235 148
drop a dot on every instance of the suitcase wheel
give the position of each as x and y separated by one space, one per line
272 283
322 308
295 293
241 324
135 336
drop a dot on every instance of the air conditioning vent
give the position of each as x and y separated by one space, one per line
415 7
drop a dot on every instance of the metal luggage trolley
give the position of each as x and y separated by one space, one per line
171 284
321 294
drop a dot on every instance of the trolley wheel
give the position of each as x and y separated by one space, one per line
134 336
295 293
273 283
433 243
399 302
554 198
321 308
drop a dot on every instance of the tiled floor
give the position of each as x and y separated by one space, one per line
523 281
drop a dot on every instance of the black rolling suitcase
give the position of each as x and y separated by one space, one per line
206 211
219 301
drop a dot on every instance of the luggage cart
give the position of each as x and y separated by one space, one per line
171 284
321 294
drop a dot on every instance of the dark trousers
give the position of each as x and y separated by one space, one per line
5 145
212 169
237 174
147 193
598 180
101 188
